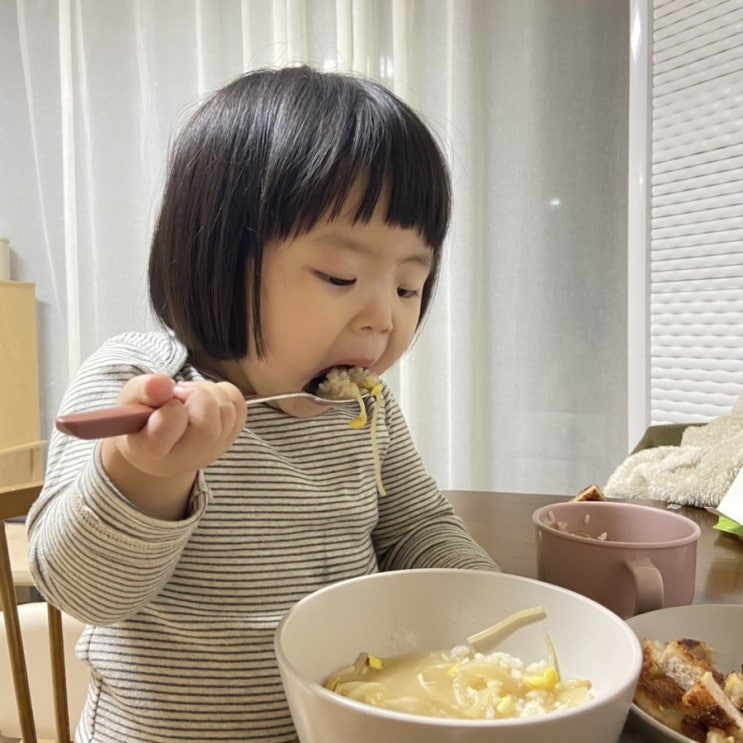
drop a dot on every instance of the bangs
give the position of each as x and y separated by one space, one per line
351 135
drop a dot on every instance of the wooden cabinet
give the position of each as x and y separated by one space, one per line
21 451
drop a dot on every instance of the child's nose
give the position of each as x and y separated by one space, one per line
376 315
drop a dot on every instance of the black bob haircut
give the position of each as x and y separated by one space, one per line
263 159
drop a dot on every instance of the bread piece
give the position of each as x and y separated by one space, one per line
685 661
680 688
733 687
652 650
662 699
711 706
592 492
717 736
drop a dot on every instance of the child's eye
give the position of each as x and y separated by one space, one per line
336 280
407 293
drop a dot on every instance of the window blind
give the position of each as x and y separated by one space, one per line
696 214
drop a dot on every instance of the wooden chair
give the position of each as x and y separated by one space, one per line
15 502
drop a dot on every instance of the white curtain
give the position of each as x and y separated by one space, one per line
518 380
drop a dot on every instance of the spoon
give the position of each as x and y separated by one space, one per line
122 419
485 640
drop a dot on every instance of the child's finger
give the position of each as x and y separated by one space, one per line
234 410
149 389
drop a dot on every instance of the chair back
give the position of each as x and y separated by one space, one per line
15 502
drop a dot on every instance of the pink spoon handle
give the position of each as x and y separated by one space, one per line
100 424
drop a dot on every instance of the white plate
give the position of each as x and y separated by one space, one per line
719 625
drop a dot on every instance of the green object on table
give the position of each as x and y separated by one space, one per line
728 525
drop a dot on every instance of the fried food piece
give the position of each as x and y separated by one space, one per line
733 687
717 736
661 698
680 687
592 492
712 707
652 650
685 661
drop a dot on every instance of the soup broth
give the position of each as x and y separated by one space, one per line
460 684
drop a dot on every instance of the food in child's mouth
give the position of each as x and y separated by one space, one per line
353 382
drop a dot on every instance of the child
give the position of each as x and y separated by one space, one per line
301 229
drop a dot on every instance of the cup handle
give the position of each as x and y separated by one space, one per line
648 584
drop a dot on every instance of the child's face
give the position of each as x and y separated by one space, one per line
340 294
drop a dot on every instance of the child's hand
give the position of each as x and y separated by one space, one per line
193 425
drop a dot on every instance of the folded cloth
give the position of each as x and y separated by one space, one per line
698 472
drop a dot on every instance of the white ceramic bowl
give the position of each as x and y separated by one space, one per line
419 610
719 625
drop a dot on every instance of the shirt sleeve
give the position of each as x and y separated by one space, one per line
417 526
92 552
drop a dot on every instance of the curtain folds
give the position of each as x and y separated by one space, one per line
518 379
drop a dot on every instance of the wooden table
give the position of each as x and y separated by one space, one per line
501 523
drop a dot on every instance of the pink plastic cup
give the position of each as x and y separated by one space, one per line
629 557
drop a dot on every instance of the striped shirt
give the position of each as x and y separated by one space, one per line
181 615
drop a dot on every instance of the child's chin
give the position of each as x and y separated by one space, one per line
301 408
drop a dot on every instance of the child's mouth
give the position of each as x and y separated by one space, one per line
313 384
316 381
